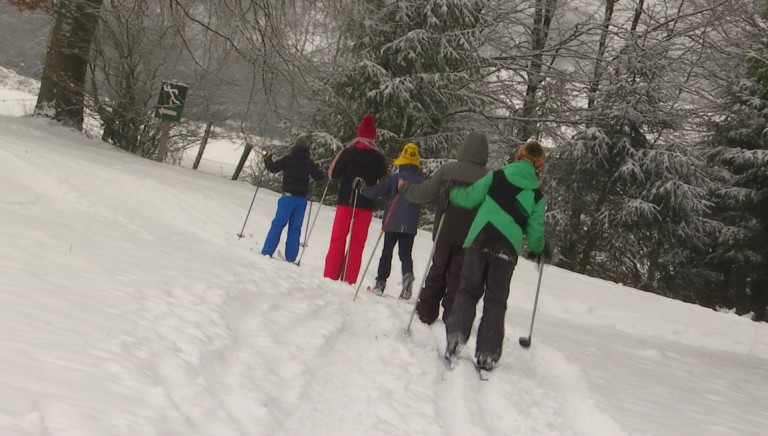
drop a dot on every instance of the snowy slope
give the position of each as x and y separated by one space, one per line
129 307
18 94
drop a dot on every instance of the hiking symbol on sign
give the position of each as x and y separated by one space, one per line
170 102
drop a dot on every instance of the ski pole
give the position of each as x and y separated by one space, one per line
407 330
381 233
360 282
525 342
258 184
298 262
306 231
349 234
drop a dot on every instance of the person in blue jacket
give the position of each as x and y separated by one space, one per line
297 167
401 219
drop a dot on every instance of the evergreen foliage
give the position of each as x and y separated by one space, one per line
627 207
741 154
412 64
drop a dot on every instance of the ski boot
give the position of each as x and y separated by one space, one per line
407 286
485 363
378 288
452 352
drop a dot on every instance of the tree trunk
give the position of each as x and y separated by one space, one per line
570 248
202 145
62 84
593 233
542 21
597 74
243 160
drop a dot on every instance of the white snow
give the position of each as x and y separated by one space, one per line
128 306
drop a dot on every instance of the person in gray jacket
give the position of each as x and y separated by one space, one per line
452 222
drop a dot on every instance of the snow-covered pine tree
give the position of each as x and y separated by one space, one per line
413 65
740 141
627 204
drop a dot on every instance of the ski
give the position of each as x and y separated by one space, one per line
385 295
483 374
449 365
369 289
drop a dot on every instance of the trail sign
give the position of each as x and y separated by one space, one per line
170 102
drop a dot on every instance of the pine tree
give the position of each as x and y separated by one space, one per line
740 151
627 206
412 64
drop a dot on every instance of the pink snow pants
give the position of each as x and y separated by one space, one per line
335 260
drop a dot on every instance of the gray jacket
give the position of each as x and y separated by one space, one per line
470 167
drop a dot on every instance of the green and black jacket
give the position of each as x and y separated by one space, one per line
511 205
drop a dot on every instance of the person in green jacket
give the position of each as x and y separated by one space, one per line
511 206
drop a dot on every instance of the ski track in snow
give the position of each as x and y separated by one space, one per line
327 400
525 382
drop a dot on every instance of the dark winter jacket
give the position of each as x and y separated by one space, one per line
511 204
470 166
358 161
404 217
297 167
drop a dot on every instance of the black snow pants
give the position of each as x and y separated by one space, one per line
404 243
441 283
488 274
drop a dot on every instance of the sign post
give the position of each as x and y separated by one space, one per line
170 104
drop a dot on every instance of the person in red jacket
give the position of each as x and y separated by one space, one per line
359 163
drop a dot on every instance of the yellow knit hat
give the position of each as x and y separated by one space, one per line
409 155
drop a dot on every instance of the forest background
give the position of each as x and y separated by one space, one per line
655 113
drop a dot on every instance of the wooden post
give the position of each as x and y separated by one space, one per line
162 146
202 145
243 160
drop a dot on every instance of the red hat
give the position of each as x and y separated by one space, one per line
367 128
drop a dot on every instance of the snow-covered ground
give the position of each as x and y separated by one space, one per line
18 94
128 306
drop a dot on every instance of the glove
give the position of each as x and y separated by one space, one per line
400 183
358 183
267 156
544 257
546 253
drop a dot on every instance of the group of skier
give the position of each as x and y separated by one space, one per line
481 218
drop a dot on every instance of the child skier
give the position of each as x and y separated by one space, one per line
360 159
297 168
401 220
511 205
442 280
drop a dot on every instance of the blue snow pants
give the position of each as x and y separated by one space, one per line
290 211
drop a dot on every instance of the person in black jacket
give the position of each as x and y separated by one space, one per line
297 168
359 163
